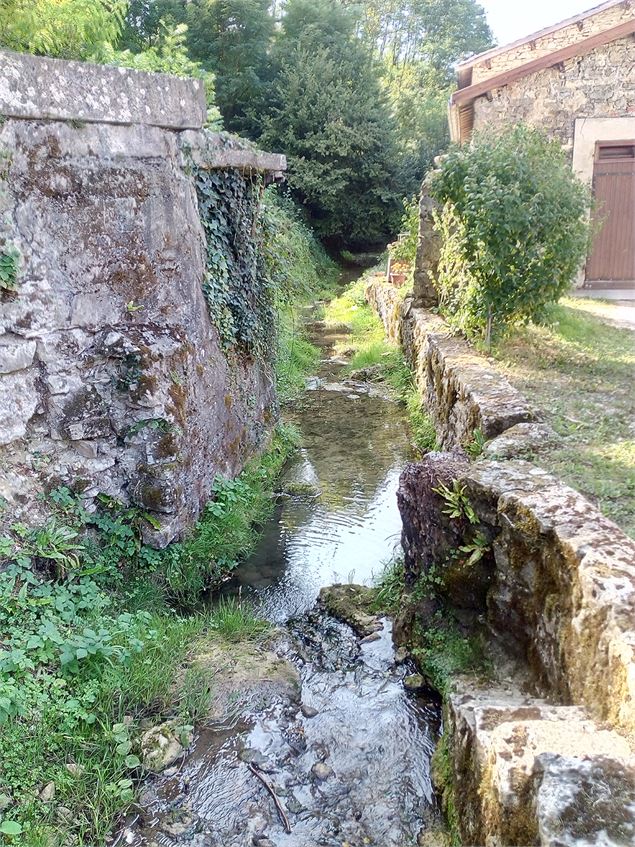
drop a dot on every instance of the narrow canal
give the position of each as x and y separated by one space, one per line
349 760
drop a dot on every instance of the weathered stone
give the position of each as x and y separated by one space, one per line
561 576
460 391
431 540
415 683
15 354
321 771
425 295
163 745
19 398
352 604
50 89
520 441
522 767
109 361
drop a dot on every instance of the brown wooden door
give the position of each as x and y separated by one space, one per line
612 261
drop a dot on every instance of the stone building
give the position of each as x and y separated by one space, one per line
576 80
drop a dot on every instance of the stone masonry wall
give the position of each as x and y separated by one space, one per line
460 393
599 84
528 51
544 752
112 377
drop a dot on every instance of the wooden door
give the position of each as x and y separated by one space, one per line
612 261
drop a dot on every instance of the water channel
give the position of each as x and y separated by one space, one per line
350 760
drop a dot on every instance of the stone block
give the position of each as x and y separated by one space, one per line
523 768
19 399
52 89
15 353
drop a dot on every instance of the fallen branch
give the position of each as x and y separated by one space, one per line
274 797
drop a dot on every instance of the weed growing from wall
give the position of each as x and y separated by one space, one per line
9 267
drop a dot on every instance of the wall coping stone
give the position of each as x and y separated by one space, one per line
212 150
41 88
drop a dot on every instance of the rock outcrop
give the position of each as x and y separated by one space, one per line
112 376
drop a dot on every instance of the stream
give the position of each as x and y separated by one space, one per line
349 758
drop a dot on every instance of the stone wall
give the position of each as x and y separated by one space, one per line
112 376
544 751
555 38
600 84
460 393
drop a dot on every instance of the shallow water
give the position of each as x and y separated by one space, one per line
372 739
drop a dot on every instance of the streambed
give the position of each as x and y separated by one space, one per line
348 753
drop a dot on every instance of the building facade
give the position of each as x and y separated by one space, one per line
576 81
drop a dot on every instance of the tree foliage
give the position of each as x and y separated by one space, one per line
71 29
514 226
326 111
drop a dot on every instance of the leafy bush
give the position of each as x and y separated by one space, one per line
514 229
71 29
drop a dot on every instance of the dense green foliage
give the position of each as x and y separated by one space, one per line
71 29
91 647
514 229
327 112
354 92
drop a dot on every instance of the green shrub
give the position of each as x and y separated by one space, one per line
514 229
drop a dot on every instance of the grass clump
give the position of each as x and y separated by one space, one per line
229 526
578 369
91 648
235 620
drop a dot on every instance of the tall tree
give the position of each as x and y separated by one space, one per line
418 43
327 112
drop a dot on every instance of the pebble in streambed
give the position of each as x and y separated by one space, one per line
348 764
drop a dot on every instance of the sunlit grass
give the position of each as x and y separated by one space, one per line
578 370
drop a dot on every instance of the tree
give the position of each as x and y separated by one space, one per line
71 29
233 38
327 112
418 43
514 228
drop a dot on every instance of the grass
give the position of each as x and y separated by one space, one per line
235 620
578 370
371 349
91 650
229 526
296 359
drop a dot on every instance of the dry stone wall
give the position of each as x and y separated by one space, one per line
545 753
112 376
460 392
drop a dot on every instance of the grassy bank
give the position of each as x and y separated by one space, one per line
578 371
379 358
94 632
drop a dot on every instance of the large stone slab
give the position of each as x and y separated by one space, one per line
52 89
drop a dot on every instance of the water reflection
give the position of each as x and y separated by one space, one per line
355 444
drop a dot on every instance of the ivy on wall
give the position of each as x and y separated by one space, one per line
239 296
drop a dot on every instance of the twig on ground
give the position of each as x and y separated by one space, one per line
274 797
